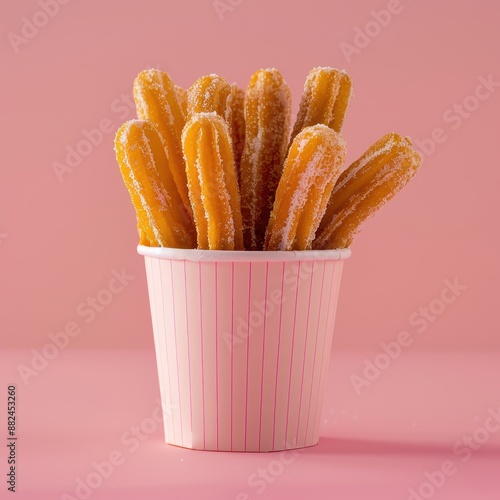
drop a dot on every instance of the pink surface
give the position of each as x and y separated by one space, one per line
92 405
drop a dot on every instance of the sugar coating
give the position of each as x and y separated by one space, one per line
267 117
138 188
362 204
325 100
208 94
157 101
367 158
300 198
235 119
155 204
212 177
317 102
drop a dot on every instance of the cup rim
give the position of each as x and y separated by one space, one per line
195 255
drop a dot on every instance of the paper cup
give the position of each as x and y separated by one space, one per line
242 343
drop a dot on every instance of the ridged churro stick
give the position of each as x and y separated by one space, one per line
182 96
311 168
267 116
208 94
156 100
213 187
161 215
370 182
235 118
325 99
342 103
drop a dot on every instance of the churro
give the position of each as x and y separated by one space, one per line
370 182
342 102
212 182
267 116
312 166
182 96
325 99
157 100
235 118
244 182
208 94
161 215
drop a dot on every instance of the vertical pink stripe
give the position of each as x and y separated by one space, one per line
175 348
188 350
291 355
325 345
232 354
156 330
328 338
159 353
305 349
216 357
248 349
202 361
278 357
263 350
165 350
315 347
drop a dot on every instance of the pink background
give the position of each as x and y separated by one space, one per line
64 238
61 241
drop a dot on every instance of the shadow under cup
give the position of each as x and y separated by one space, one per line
242 344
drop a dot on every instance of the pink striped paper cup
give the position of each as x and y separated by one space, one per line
242 344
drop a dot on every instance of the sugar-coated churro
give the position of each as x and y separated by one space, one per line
182 96
156 100
342 102
208 94
267 117
213 186
311 168
235 118
244 181
370 182
325 99
161 215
